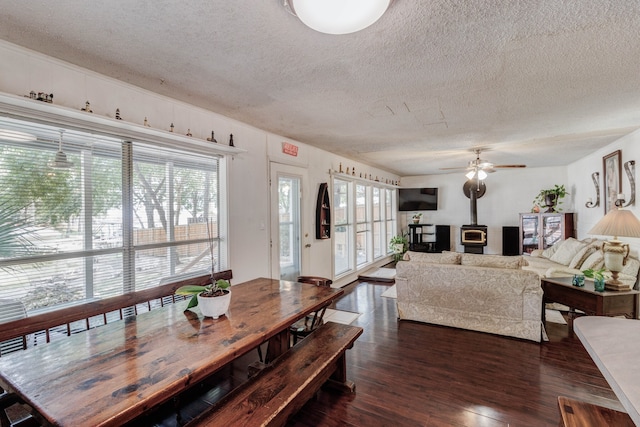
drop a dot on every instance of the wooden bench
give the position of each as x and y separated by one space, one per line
281 389
85 316
574 413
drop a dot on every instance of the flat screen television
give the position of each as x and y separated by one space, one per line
418 199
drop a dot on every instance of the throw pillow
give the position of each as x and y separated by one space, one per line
631 267
495 261
594 261
435 258
548 253
567 251
582 254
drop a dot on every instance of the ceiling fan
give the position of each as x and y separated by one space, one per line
479 168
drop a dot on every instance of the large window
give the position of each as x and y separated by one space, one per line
121 216
365 221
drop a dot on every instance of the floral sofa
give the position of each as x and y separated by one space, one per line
486 293
572 256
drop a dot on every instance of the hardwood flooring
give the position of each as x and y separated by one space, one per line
414 374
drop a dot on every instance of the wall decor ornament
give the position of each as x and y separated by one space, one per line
612 179
590 204
630 169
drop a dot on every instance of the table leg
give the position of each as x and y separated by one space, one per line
277 345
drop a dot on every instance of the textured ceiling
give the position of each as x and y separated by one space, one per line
536 82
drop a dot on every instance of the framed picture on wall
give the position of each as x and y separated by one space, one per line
612 179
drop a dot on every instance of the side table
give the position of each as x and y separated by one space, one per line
588 300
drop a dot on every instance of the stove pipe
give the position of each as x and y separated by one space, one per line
473 196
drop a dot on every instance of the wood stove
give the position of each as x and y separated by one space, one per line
473 236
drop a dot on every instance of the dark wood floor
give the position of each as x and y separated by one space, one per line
413 374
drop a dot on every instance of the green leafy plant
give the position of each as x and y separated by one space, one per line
551 197
399 245
216 288
417 216
594 274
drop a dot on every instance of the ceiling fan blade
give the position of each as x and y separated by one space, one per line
461 168
509 166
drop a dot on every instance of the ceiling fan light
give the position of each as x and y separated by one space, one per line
470 174
60 161
339 16
482 175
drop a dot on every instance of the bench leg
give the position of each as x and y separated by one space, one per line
338 380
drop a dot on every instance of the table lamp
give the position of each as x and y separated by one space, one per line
617 223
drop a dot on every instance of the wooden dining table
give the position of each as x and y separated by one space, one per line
112 374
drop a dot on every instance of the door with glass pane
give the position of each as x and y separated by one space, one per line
287 242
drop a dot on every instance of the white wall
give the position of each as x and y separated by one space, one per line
23 70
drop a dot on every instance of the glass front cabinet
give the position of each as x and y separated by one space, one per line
543 230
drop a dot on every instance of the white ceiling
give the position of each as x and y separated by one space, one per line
536 82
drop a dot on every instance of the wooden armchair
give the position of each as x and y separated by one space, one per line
311 322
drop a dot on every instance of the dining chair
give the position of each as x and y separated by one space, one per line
305 326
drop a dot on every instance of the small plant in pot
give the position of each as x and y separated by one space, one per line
213 298
398 245
597 276
416 218
550 198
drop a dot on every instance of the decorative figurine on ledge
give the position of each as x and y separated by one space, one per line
212 139
87 107
146 123
43 97
171 127
189 132
231 140
118 114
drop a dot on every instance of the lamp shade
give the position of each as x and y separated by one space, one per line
339 16
618 222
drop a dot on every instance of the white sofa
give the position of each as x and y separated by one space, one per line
486 293
572 256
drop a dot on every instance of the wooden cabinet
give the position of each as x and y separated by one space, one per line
323 213
543 230
429 238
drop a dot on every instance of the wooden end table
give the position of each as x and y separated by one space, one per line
588 300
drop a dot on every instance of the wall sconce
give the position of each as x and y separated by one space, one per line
594 176
628 166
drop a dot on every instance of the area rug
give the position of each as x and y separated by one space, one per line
338 316
390 293
379 275
552 316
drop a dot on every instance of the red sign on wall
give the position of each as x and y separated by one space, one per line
290 149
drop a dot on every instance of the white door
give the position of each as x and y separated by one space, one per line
289 241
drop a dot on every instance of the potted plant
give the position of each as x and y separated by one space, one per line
416 217
213 298
597 276
399 245
551 198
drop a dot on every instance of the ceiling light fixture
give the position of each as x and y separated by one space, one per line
472 174
337 16
60 161
14 135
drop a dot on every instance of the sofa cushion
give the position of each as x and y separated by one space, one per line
433 258
495 261
631 267
567 250
548 253
582 254
594 261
